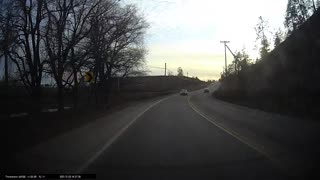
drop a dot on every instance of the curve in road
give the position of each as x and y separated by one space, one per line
172 141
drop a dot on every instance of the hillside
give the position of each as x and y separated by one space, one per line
156 83
286 80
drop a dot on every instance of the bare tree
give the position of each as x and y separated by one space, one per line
28 54
8 35
180 71
66 28
129 62
116 40
63 38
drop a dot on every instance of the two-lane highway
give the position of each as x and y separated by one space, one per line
172 141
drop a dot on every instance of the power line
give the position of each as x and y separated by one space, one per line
155 67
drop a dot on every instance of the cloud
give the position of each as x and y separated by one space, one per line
187 33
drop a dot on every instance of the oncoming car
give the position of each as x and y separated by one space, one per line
184 92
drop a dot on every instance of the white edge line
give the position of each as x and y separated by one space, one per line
240 138
115 137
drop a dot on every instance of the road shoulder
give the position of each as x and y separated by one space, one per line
272 135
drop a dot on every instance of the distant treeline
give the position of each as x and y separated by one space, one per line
124 89
286 79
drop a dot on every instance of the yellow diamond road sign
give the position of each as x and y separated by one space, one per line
88 77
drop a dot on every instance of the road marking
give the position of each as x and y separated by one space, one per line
116 136
244 140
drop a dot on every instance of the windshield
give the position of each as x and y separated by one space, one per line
154 89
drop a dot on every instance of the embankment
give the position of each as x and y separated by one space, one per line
287 80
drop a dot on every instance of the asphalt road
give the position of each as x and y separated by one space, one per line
198 137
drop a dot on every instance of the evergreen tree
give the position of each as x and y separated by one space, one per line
314 5
298 11
261 30
278 37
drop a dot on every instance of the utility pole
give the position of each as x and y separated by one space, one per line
165 69
225 54
236 60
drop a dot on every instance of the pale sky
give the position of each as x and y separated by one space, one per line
187 33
